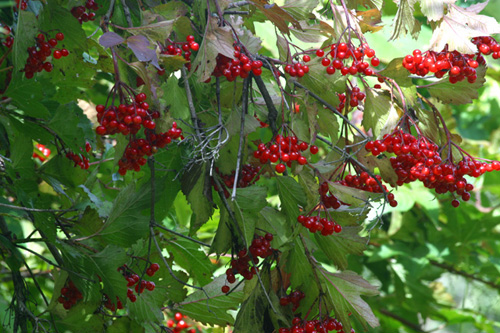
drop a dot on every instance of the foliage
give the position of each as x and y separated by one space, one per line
249 166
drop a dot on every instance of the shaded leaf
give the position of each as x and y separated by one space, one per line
140 46
110 39
379 115
189 256
277 15
291 195
405 21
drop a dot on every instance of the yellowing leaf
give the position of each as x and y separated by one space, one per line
434 9
369 20
459 25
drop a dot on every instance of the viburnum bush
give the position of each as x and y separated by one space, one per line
253 166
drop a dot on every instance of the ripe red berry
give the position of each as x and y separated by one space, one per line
314 149
225 289
57 54
306 58
280 168
320 53
64 52
59 36
194 46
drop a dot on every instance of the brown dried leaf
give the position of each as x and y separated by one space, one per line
459 25
277 15
369 20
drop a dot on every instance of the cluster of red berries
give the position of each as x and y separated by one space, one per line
179 324
365 182
328 199
342 52
38 54
9 40
187 47
249 175
293 298
240 66
126 118
419 159
316 223
356 97
133 157
487 45
328 324
44 150
298 69
262 124
23 4
459 66
85 13
261 247
284 149
69 295
133 279
78 159
110 305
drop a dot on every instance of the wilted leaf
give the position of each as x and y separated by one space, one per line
277 15
110 39
405 21
459 25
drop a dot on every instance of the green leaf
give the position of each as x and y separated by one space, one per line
344 291
175 99
214 309
69 123
380 115
328 124
27 94
189 256
195 188
354 4
297 265
291 195
27 29
274 221
300 9
251 316
405 21
249 202
461 92
337 246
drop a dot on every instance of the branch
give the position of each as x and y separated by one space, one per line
331 108
453 270
192 109
38 210
273 113
238 4
402 320
181 235
126 11
244 111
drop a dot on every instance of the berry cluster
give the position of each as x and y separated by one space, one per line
78 159
69 295
110 305
23 4
38 54
261 247
316 223
249 175
187 47
356 97
284 149
328 324
133 157
340 53
298 69
328 199
178 324
293 298
487 45
126 118
419 159
85 13
134 279
240 66
459 66
365 182
44 150
9 40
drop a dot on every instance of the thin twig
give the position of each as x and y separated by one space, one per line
38 210
192 109
244 111
272 112
181 235
126 11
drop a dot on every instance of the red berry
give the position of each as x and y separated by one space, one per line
225 289
280 168
59 36
314 149
194 46
64 52
57 54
